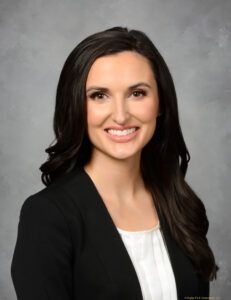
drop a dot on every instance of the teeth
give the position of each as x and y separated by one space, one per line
121 132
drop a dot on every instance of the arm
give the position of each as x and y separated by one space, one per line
41 265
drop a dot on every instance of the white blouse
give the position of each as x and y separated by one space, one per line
151 262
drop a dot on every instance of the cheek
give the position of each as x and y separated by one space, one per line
95 115
148 111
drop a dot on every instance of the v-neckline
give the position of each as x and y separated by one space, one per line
161 222
108 212
110 246
107 239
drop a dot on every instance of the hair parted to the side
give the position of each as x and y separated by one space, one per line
164 160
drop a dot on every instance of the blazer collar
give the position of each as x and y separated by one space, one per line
111 249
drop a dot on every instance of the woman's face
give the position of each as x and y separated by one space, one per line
122 104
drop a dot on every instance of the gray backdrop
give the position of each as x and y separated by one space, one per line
194 38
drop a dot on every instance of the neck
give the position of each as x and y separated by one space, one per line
120 180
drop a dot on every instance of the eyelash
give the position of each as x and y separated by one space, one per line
96 94
143 93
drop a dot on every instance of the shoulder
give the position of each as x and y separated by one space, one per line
61 201
60 193
50 234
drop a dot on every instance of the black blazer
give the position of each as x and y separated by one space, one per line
68 248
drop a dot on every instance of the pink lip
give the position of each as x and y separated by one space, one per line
122 139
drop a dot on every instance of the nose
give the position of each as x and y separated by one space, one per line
120 113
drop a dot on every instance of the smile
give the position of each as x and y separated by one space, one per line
121 132
122 135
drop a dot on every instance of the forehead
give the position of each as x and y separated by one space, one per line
126 67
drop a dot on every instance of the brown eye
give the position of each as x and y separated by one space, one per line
97 95
138 93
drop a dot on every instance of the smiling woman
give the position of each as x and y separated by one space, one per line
117 219
122 105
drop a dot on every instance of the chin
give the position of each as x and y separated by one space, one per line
123 155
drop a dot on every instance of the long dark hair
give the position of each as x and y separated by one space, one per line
164 160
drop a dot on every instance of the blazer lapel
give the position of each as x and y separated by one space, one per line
112 251
185 276
106 239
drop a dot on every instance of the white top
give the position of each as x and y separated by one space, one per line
151 261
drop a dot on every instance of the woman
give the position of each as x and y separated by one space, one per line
117 219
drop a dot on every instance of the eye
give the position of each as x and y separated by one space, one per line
138 93
97 95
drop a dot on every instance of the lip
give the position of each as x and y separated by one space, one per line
124 138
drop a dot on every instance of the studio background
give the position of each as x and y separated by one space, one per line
194 38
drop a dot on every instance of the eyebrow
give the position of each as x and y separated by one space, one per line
104 89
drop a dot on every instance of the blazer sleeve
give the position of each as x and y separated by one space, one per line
204 288
41 264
